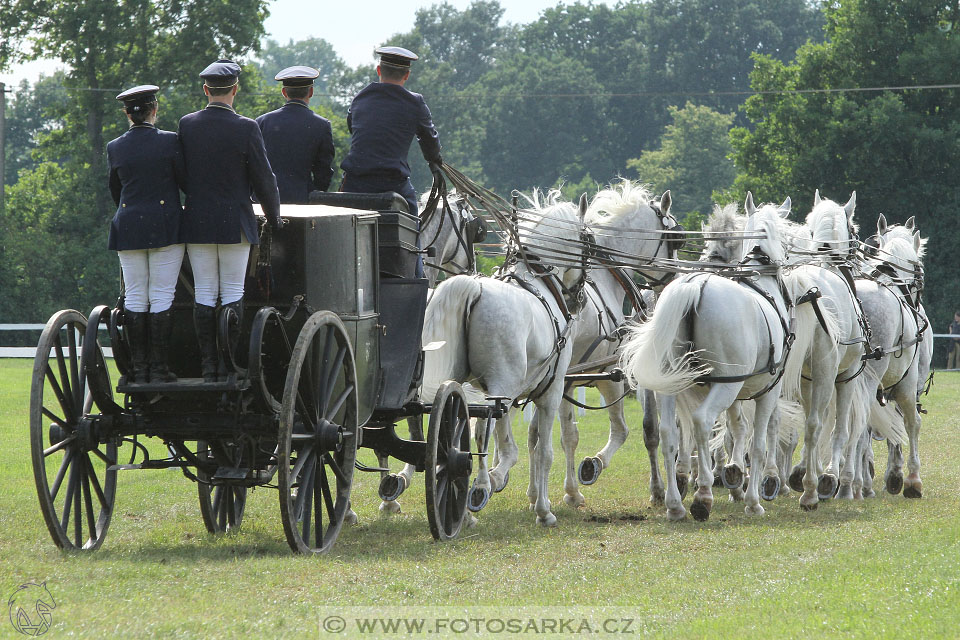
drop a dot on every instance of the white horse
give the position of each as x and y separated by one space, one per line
733 336
509 336
451 232
626 221
890 298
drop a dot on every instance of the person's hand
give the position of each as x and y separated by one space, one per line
276 222
435 168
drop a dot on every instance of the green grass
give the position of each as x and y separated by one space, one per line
887 567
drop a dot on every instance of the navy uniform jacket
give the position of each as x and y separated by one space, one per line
225 160
146 176
299 143
383 120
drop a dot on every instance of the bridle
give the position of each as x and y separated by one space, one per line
467 229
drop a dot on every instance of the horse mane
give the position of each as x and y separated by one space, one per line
767 218
725 220
899 248
616 201
828 222
902 232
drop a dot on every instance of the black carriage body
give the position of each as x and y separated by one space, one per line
325 258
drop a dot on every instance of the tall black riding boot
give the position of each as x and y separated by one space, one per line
161 329
233 335
135 330
205 320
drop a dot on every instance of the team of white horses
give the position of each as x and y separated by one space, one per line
779 329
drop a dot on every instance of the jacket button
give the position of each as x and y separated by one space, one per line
124 204
161 202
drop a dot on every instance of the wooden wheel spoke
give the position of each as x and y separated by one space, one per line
335 467
452 504
64 465
217 500
443 485
334 409
304 498
88 502
100 454
60 445
331 379
68 499
77 514
66 390
302 459
57 419
327 497
76 376
97 489
318 508
65 403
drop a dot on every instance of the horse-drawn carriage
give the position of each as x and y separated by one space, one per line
330 358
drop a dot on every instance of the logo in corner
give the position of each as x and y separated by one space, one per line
30 607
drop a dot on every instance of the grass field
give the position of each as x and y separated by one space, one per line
887 567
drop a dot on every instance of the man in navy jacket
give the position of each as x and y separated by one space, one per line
299 142
225 161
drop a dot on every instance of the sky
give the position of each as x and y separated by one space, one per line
354 28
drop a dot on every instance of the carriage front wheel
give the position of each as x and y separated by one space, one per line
448 462
318 435
71 455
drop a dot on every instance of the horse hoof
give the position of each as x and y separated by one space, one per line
478 498
912 492
811 506
548 520
754 510
796 478
869 493
682 480
700 510
678 514
589 470
770 488
503 485
389 507
913 488
845 492
471 522
732 476
827 486
391 487
576 501
894 482
351 516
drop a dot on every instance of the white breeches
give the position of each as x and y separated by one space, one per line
218 271
150 277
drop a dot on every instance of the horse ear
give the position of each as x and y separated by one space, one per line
748 205
785 207
816 197
882 224
583 206
850 206
665 202
911 221
917 242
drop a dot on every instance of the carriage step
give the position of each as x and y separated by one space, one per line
183 385
231 473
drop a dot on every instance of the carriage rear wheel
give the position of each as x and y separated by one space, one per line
448 462
221 505
70 455
318 435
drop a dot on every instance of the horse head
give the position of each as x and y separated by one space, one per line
766 219
832 229
727 222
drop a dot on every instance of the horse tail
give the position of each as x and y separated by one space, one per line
447 320
883 420
650 356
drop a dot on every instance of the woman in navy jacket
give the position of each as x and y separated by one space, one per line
146 175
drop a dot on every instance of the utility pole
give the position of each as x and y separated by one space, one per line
3 154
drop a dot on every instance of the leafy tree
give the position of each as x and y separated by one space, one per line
28 116
313 52
692 160
898 149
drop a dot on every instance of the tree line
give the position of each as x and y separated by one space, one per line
704 98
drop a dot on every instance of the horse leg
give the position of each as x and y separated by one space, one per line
733 472
533 438
569 439
720 397
786 446
612 393
542 454
816 404
651 440
851 447
670 437
912 485
770 484
860 476
868 466
763 463
507 452
392 485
